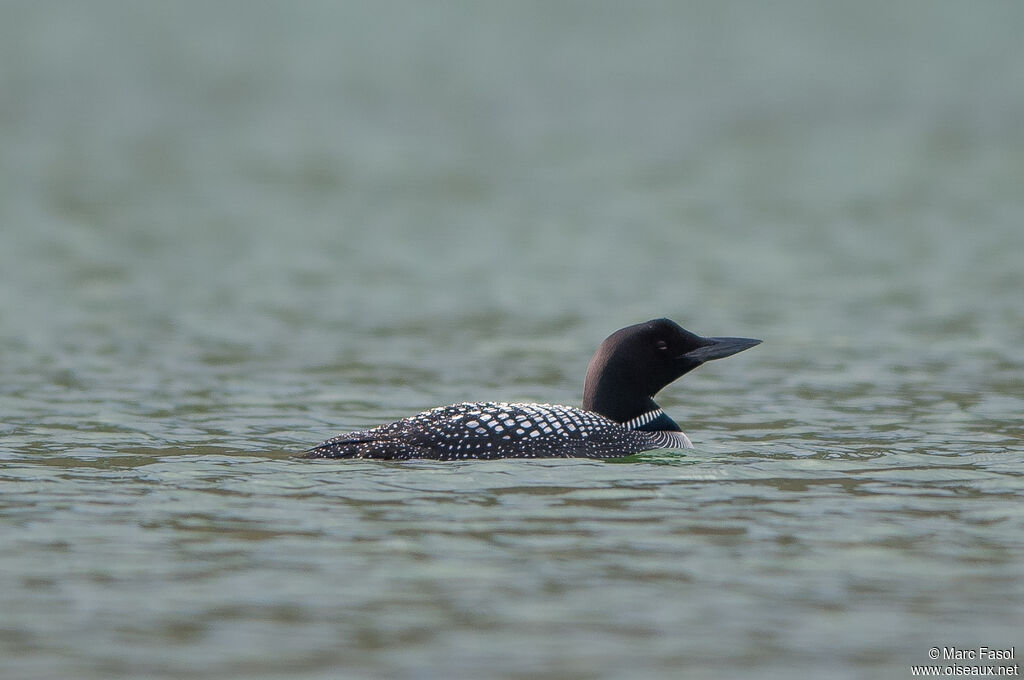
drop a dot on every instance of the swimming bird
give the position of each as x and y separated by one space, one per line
619 415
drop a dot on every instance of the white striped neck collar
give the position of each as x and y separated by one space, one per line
643 419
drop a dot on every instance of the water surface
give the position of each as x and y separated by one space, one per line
232 230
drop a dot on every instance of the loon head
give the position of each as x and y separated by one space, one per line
633 364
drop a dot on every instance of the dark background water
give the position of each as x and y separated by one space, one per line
231 230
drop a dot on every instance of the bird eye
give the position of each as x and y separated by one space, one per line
661 345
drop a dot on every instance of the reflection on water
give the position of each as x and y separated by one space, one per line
232 234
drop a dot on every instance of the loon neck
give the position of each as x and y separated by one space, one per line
616 403
636 414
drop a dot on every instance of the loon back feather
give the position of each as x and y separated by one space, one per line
497 430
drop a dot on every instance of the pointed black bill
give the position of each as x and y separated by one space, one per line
719 348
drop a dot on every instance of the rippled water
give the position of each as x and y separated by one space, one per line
231 230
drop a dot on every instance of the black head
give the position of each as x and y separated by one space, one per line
635 363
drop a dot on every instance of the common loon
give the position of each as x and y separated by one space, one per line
618 418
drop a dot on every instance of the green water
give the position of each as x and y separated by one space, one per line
231 230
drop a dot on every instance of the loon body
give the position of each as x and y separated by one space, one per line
619 416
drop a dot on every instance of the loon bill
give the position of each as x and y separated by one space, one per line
619 416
